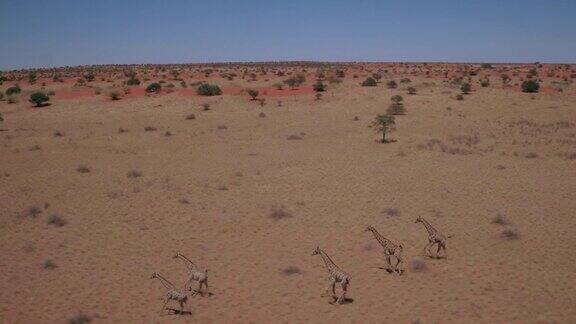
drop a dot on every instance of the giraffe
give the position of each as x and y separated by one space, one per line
335 275
195 273
390 249
181 296
434 237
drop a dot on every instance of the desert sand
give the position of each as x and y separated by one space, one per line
249 196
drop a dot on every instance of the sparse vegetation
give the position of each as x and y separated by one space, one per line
465 88
252 93
206 89
369 82
154 87
530 86
39 99
383 124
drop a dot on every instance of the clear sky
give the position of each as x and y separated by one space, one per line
37 33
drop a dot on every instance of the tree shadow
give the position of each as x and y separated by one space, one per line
44 104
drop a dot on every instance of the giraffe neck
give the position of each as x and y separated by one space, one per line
186 259
381 239
330 265
429 228
164 281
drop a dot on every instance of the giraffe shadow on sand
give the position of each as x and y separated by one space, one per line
344 301
174 311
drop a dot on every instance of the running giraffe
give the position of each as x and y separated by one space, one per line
434 237
195 273
181 296
390 249
335 275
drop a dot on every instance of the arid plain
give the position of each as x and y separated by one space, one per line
97 194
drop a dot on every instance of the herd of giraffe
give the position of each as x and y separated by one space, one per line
335 274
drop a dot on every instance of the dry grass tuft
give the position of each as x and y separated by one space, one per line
279 213
83 169
509 234
57 221
291 270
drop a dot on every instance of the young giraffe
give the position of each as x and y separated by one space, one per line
434 237
335 275
390 249
195 273
181 296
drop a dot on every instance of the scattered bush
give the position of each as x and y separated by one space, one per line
459 97
13 90
252 93
509 234
206 89
465 88
411 90
530 86
319 86
83 169
391 84
114 95
484 83
279 213
154 87
39 98
57 221
369 82
49 265
133 81
383 123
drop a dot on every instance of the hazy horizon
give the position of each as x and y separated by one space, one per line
44 34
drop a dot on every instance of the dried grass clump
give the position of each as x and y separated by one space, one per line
291 270
279 213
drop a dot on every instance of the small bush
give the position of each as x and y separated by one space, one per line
397 99
83 169
459 97
49 265
252 93
134 174
133 81
484 83
465 88
411 90
206 89
114 95
13 90
530 86
291 270
319 86
279 213
154 87
39 98
391 84
57 221
509 234
190 116
369 82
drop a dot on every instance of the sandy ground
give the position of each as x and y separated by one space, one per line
209 191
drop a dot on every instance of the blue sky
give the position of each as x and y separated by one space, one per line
58 32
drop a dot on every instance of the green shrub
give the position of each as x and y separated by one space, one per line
133 81
411 90
114 95
153 87
13 90
391 84
530 86
484 83
383 123
319 86
38 98
206 89
369 82
252 93
465 88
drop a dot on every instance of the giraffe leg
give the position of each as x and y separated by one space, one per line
331 286
342 297
389 269
206 284
444 249
399 259
438 250
164 305
427 249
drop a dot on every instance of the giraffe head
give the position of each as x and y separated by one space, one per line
177 255
418 220
316 251
369 228
154 275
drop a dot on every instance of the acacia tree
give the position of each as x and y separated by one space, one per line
383 123
252 93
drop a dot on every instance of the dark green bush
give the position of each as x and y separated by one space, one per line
153 87
38 98
369 82
319 86
466 88
206 89
13 90
391 84
530 86
133 81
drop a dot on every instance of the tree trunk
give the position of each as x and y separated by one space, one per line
383 136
